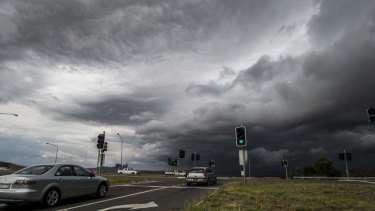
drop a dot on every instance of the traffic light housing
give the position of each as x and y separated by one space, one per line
241 136
182 153
284 163
169 161
348 156
211 163
371 114
193 157
197 156
100 142
105 146
341 156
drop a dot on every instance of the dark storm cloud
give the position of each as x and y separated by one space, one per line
122 31
336 19
317 100
132 110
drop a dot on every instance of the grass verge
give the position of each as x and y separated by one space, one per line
288 196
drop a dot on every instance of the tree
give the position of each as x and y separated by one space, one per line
321 167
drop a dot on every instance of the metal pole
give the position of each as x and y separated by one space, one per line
248 157
244 166
122 142
286 172
195 158
97 163
346 164
57 150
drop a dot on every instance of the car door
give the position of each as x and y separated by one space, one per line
67 181
87 183
211 175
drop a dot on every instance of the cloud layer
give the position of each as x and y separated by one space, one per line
182 74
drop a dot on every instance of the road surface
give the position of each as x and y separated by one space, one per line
167 194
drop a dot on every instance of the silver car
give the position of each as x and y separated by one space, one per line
201 175
49 184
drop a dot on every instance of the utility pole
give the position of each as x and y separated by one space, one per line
346 164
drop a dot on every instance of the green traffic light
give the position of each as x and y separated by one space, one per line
241 141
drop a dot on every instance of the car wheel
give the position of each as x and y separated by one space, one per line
52 197
102 190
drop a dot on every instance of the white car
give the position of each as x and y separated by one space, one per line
127 171
175 172
201 175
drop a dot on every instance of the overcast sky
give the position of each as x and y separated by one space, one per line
172 74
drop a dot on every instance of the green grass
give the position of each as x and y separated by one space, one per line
289 196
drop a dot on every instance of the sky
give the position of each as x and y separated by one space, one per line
182 74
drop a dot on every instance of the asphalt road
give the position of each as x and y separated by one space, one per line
168 194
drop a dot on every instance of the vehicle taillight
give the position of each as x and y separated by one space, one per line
24 182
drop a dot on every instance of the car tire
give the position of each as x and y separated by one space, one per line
102 190
51 197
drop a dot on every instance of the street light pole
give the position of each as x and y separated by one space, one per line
9 114
122 142
57 149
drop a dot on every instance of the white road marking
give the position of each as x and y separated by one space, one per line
3 205
132 206
363 181
111 199
160 186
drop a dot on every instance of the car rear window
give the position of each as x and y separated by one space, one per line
197 171
35 170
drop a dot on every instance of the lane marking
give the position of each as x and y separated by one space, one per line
132 206
199 203
363 181
160 186
111 199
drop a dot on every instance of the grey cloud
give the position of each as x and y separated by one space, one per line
336 19
18 81
126 31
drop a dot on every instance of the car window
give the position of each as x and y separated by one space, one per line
35 170
64 171
80 172
197 171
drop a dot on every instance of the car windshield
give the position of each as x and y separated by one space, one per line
35 170
197 171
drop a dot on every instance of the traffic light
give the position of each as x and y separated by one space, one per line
197 156
100 142
341 156
371 114
105 146
182 153
348 156
211 163
169 161
193 157
240 136
284 163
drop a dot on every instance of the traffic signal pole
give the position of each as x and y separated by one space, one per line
346 164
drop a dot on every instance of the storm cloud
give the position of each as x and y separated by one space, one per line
171 75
